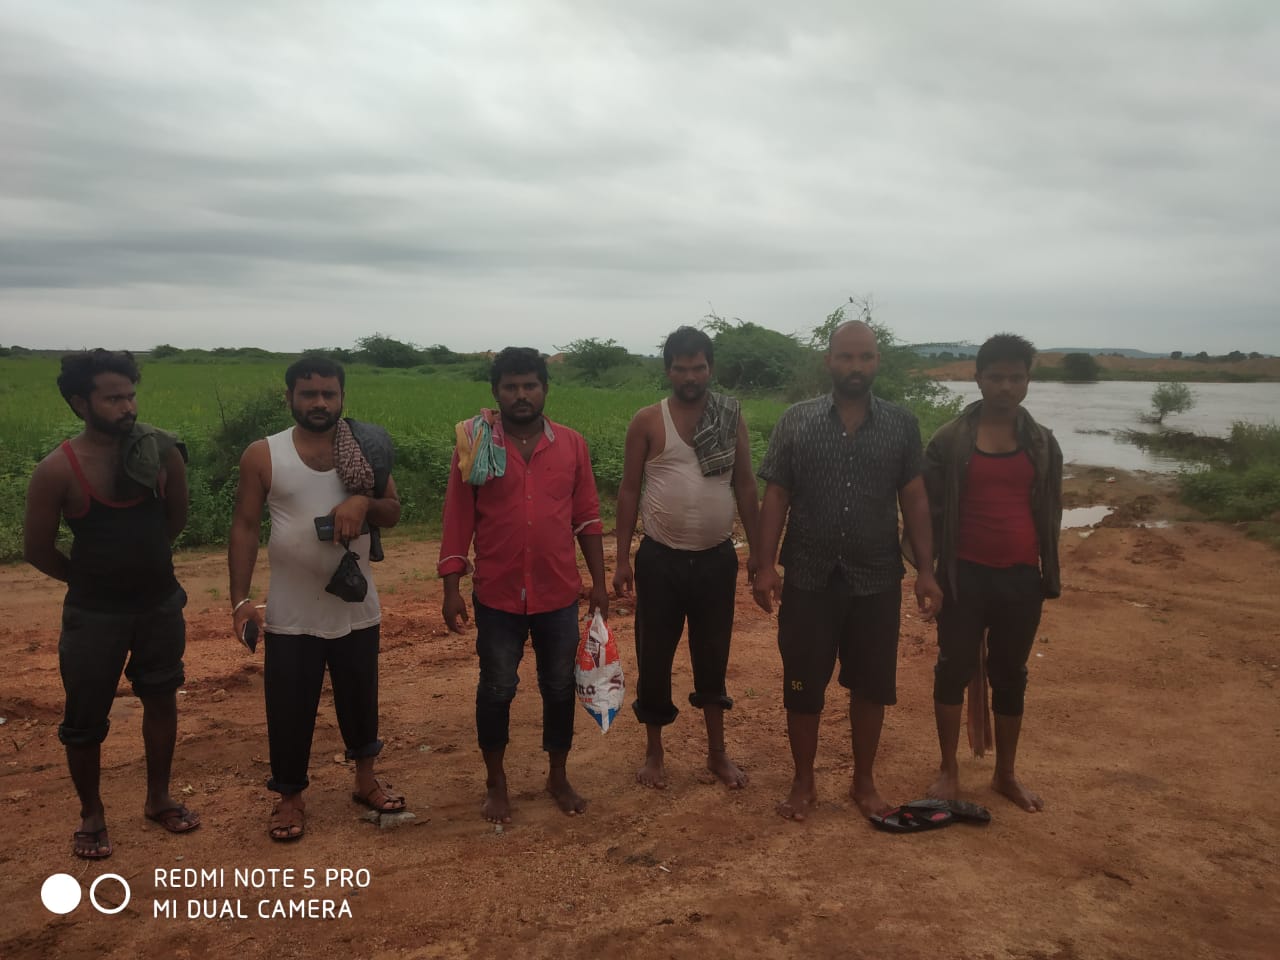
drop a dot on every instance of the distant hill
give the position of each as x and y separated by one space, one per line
1110 352
962 348
1144 367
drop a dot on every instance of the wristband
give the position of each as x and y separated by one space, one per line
236 608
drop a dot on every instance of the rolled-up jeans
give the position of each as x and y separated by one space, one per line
500 640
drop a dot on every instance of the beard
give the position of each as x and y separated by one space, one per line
523 414
852 388
119 427
316 421
691 392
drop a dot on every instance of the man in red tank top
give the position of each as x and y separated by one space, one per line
994 478
122 487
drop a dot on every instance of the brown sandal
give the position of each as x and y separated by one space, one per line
283 822
379 797
88 844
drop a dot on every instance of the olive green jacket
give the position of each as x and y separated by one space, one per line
946 467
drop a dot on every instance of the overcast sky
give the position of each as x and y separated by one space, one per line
299 174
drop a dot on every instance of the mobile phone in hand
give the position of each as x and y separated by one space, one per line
249 634
324 527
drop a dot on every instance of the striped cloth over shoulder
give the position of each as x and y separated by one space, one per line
482 455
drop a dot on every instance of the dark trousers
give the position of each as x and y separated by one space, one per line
293 674
92 651
500 639
1004 603
673 586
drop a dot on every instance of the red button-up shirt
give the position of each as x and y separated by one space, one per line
523 525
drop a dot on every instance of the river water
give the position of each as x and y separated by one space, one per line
1075 411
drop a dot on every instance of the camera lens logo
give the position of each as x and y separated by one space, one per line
61 893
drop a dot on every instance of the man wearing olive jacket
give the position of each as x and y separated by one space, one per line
994 479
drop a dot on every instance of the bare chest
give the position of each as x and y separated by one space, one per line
317 456
685 423
997 438
102 471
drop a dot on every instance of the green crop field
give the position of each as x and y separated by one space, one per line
220 405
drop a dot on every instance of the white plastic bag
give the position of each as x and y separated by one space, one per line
598 673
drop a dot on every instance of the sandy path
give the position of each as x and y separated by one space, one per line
1153 731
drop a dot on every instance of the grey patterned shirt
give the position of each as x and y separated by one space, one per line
844 492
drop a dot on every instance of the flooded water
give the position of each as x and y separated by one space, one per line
1084 416
1084 516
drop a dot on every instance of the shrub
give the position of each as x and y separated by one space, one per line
1080 368
1170 398
590 357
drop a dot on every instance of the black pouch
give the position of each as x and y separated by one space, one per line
347 582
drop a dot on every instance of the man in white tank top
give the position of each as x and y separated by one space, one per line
296 475
692 453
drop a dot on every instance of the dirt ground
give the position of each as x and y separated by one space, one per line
1152 731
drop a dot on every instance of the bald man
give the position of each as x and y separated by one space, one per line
837 469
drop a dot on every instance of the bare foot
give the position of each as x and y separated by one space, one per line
730 774
566 798
497 805
1012 788
653 773
946 787
868 800
799 803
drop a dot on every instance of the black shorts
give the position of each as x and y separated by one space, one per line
1002 603
92 651
817 626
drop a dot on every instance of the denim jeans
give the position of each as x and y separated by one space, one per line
500 639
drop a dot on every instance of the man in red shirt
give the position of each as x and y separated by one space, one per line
994 478
521 492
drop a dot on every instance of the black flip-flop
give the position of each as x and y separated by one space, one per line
962 810
905 820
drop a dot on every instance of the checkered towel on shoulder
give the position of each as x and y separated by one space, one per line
715 438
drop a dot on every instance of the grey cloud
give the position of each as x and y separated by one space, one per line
977 166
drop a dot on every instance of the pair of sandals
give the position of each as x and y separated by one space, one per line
283 822
95 845
930 814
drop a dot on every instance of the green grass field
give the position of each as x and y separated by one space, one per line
197 399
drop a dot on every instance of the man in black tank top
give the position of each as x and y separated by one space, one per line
122 487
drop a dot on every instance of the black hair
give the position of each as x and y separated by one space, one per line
79 369
314 366
517 360
1006 347
687 342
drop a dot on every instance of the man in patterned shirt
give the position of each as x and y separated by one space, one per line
837 469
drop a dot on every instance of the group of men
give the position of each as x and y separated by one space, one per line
521 501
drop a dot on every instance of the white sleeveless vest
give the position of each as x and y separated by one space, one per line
680 508
302 563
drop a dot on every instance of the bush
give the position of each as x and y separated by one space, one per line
261 415
1080 368
1170 398
385 352
1244 485
752 357
591 357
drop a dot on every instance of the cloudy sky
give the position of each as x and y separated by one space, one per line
298 174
